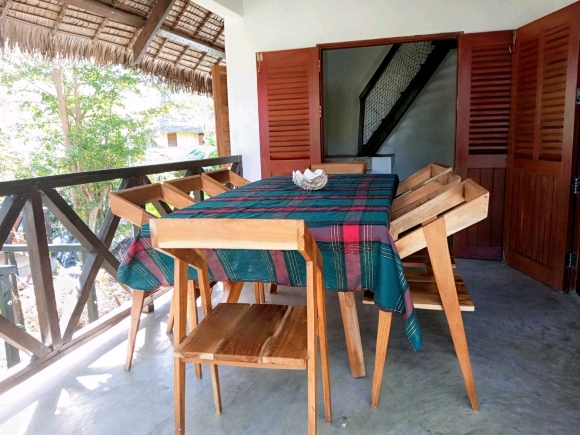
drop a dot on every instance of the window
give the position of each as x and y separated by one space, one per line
172 139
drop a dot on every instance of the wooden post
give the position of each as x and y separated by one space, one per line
41 270
92 303
7 310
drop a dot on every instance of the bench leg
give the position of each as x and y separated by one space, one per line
171 318
273 288
436 238
352 333
323 342
179 395
192 295
215 382
383 332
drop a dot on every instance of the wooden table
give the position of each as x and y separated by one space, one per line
349 219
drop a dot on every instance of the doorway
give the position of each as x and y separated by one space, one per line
390 99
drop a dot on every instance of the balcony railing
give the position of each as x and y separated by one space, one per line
59 336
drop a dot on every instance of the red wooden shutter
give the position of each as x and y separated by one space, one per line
483 115
289 110
542 145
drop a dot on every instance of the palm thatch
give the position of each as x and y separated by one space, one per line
56 29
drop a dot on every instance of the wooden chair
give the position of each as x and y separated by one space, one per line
129 204
214 183
423 176
341 168
261 336
427 226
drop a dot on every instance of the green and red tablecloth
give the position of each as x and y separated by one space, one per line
348 218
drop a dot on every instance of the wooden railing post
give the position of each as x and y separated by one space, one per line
41 270
7 310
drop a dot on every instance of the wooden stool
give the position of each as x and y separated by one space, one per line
429 225
261 336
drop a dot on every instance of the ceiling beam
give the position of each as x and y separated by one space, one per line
196 44
108 12
138 22
153 24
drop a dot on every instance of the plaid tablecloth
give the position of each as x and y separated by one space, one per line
348 218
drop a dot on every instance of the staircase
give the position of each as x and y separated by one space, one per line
390 92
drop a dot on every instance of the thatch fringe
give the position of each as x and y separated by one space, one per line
36 39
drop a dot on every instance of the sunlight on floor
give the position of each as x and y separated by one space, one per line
92 382
18 425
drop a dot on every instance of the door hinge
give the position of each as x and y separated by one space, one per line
578 96
571 260
319 65
259 59
575 186
320 111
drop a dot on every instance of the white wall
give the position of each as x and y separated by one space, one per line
426 133
283 24
346 73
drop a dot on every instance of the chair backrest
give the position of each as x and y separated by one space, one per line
460 205
226 176
202 182
341 168
426 192
128 203
423 176
250 234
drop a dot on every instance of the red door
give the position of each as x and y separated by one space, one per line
481 144
289 110
538 196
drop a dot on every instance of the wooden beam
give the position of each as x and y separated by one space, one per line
138 22
18 338
65 180
41 271
11 208
196 44
108 12
72 222
91 269
153 24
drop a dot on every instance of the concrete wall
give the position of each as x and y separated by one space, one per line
282 24
426 133
346 72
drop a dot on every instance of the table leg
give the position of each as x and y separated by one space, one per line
232 291
352 333
436 238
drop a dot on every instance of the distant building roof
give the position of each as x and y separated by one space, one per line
176 124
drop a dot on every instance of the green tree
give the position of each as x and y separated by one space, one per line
73 118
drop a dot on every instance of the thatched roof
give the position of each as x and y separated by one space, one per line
106 30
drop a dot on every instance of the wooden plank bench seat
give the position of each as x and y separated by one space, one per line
271 336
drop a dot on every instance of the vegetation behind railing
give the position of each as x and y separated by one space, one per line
60 335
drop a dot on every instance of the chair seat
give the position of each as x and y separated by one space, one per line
250 335
426 295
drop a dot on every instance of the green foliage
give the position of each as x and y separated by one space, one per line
72 117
